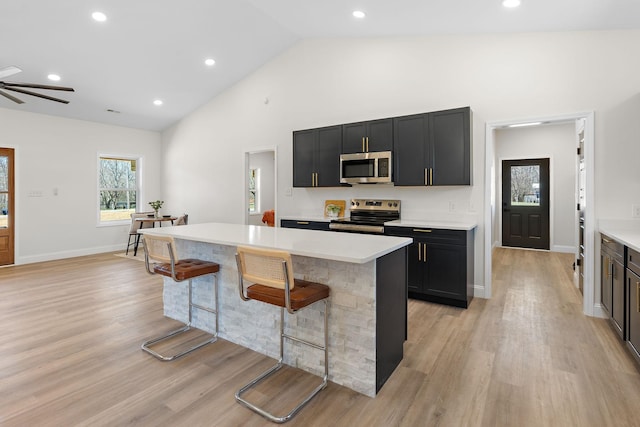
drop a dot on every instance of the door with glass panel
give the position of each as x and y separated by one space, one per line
7 212
525 203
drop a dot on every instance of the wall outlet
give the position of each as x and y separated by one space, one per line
452 207
635 211
288 191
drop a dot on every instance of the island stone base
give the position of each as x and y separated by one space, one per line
353 344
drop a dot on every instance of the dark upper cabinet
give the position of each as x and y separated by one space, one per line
371 136
316 157
433 148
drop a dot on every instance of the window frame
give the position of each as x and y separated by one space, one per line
139 186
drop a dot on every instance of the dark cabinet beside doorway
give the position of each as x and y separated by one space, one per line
633 302
365 137
316 154
612 282
433 149
440 264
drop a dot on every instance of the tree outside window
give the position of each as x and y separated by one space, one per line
118 184
254 188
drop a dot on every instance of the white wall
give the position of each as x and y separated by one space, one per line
557 142
331 81
56 153
265 162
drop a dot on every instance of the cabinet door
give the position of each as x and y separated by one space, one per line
379 135
633 285
362 137
327 160
617 297
605 282
306 225
303 155
415 267
450 146
444 274
410 149
353 137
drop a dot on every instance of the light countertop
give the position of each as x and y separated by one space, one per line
346 247
626 232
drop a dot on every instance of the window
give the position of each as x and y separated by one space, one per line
119 189
254 188
525 185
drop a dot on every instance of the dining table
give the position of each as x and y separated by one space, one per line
151 220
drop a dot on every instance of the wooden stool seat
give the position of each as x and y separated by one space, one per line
187 268
303 294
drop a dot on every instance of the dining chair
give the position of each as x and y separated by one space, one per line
134 227
182 220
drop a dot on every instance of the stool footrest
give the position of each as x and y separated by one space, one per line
266 414
146 346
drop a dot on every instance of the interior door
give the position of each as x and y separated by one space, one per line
525 203
6 206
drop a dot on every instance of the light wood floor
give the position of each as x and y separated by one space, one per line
70 355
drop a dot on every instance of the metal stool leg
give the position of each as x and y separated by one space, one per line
279 364
146 346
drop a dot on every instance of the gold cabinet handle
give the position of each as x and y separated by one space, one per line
420 230
367 144
363 144
425 252
302 222
430 176
426 176
419 251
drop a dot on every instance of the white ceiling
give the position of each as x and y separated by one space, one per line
154 49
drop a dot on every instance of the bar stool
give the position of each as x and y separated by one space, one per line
162 251
271 273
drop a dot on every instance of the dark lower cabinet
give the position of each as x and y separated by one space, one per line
440 264
306 225
633 302
612 282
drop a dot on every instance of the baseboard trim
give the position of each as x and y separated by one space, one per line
52 256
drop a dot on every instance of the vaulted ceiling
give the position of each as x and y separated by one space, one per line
149 50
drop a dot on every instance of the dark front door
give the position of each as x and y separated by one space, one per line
525 203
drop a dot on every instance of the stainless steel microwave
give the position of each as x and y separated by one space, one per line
366 168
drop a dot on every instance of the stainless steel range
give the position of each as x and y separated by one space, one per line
368 216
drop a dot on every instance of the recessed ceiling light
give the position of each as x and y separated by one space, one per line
54 77
158 102
358 14
99 16
511 3
210 62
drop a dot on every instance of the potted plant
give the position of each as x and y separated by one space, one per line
333 211
156 204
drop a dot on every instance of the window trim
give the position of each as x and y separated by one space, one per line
139 186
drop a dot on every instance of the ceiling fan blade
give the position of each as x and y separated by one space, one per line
38 86
9 71
11 97
39 95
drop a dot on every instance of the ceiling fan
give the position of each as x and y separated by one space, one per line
21 87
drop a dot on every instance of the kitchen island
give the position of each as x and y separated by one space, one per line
367 306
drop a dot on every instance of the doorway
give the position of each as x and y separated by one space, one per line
585 121
260 187
7 211
525 203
